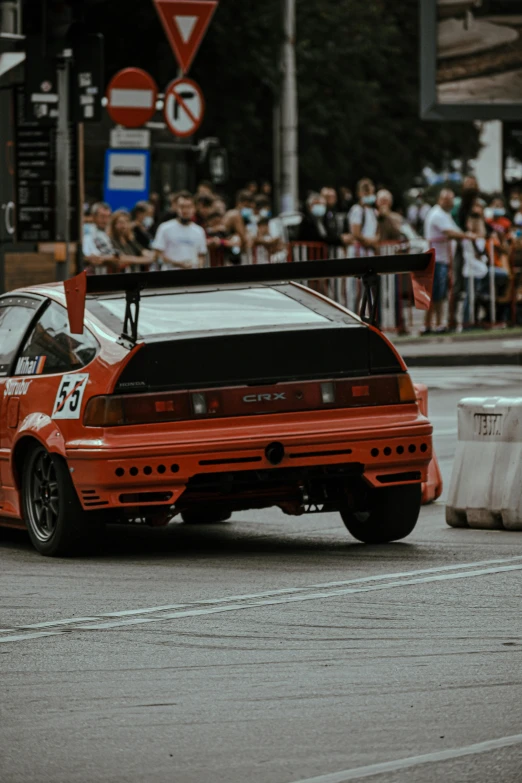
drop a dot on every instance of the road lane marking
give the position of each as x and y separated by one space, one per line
413 761
287 596
265 594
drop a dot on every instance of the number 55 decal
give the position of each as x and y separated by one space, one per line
68 401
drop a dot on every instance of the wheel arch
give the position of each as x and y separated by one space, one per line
46 434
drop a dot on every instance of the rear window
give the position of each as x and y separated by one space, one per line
192 312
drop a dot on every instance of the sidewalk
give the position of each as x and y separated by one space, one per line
481 347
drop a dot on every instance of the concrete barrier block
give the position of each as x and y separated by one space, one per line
486 487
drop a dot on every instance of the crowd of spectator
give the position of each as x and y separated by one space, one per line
183 236
478 244
469 235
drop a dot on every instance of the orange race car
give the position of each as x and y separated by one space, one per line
136 397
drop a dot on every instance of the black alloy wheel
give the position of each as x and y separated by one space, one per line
43 501
57 524
389 514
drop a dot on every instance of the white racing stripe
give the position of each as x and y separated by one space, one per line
413 761
133 617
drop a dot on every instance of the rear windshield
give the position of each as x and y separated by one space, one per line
193 312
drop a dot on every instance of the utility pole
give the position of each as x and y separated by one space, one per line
289 167
63 162
277 156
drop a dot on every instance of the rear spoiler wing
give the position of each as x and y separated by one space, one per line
421 266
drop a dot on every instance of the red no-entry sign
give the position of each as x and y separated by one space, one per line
131 96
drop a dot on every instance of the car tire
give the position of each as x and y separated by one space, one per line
57 524
204 515
390 514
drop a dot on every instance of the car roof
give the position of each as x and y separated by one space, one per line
52 290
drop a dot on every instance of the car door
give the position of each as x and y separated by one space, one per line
17 314
45 364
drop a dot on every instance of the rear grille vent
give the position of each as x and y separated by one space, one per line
231 461
307 454
91 499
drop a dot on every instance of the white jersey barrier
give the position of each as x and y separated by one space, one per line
486 485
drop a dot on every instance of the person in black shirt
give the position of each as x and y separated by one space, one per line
316 228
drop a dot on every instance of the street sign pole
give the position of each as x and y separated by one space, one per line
63 163
290 188
277 155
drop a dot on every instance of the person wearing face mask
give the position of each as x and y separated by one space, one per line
314 227
336 221
262 207
515 204
241 221
362 216
142 222
496 216
180 243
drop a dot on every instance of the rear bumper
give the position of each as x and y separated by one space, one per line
155 473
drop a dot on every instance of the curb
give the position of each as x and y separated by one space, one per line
463 359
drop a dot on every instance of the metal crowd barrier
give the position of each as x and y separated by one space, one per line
395 294
396 307
470 288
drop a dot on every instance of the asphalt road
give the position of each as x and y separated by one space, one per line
271 649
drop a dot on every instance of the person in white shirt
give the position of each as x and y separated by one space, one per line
362 216
440 230
181 243
417 213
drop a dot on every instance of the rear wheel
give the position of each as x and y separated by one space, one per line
57 524
389 514
204 515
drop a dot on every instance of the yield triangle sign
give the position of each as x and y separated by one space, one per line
185 22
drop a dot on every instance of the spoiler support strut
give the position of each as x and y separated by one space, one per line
421 267
368 308
132 315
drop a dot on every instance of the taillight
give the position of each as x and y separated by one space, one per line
328 393
376 390
206 403
406 390
111 411
119 410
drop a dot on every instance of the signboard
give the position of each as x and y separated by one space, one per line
87 79
129 139
185 22
35 176
470 60
127 178
132 96
41 84
184 107
7 168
